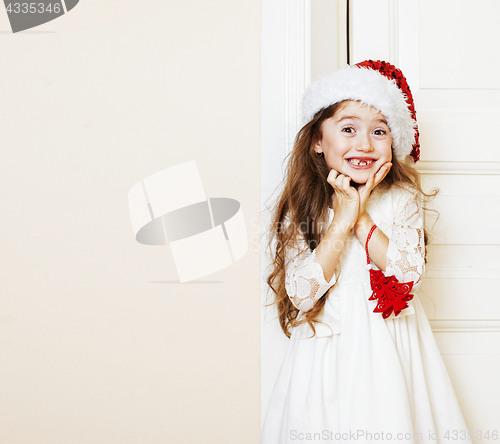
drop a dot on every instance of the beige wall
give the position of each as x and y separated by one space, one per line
98 343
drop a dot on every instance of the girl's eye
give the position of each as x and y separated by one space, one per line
348 129
380 132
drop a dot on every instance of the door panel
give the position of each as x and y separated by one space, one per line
447 50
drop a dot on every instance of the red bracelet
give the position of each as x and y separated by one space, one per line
366 245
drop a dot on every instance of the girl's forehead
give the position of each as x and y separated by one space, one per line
351 106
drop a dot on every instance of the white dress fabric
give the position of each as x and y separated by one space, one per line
362 378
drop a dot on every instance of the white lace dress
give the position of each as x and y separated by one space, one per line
363 378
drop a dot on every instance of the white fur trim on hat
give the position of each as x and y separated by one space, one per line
370 88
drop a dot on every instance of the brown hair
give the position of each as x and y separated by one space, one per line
304 201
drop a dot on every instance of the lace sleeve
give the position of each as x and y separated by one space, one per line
406 251
305 282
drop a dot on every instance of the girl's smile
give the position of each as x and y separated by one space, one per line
360 162
356 141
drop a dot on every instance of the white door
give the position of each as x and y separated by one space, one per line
448 51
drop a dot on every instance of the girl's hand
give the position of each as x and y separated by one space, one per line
373 180
346 200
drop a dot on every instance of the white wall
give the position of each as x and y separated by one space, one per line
98 342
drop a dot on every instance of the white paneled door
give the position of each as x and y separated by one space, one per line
448 50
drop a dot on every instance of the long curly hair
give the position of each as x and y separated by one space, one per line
304 201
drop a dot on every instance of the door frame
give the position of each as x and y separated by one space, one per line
286 73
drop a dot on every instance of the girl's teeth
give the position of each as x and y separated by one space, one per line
360 162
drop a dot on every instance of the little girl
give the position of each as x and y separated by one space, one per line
362 364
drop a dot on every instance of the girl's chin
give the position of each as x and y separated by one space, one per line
357 184
360 179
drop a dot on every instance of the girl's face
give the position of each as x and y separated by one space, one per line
356 141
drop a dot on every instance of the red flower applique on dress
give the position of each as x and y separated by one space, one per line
391 294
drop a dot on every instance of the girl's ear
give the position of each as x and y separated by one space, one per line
316 143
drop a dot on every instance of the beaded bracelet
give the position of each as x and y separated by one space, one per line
366 245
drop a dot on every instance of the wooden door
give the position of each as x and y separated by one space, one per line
448 51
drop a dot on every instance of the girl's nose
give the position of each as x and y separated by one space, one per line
364 143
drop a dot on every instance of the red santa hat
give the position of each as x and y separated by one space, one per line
374 83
